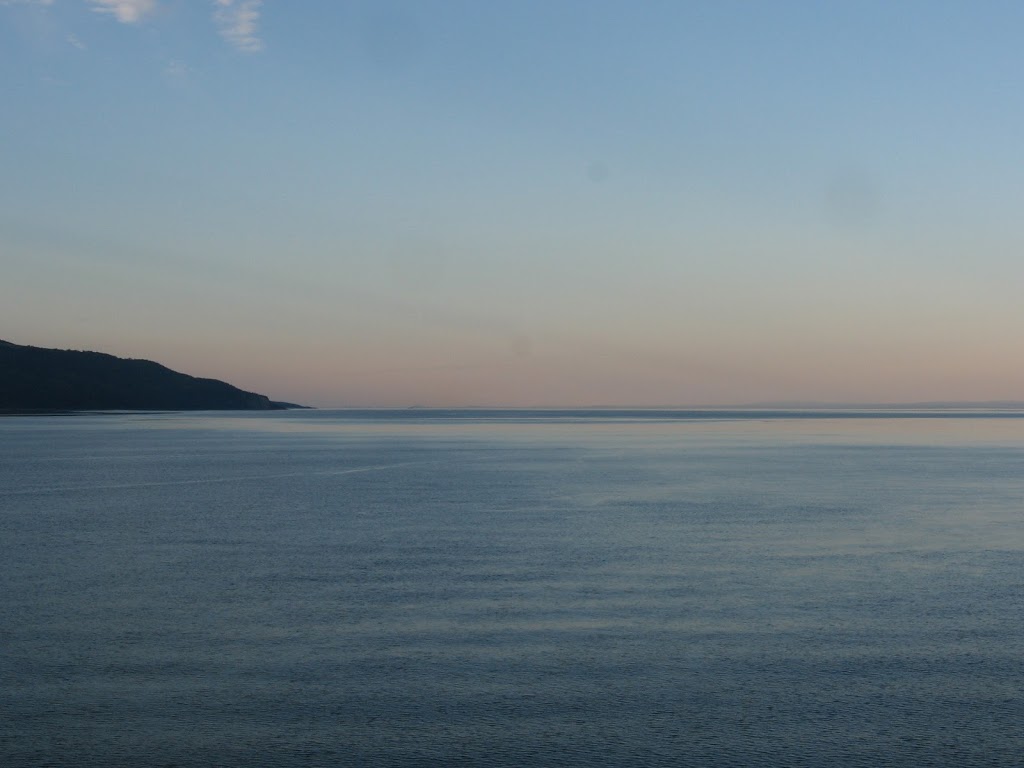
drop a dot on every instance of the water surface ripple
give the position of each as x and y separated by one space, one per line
345 588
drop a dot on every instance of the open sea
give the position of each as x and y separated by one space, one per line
512 588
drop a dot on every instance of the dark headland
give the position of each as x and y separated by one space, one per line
39 379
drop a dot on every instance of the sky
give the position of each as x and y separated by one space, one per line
558 203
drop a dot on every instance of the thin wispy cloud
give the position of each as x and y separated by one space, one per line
125 11
238 21
176 73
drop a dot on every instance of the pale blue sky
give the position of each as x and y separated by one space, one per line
565 203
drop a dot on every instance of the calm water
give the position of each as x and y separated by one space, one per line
495 589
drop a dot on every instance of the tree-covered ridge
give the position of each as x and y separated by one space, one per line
35 378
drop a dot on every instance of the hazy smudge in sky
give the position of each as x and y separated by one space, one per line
852 199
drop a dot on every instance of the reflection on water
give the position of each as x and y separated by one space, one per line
351 588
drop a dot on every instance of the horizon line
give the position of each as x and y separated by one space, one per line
767 405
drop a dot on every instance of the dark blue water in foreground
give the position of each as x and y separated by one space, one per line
526 589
